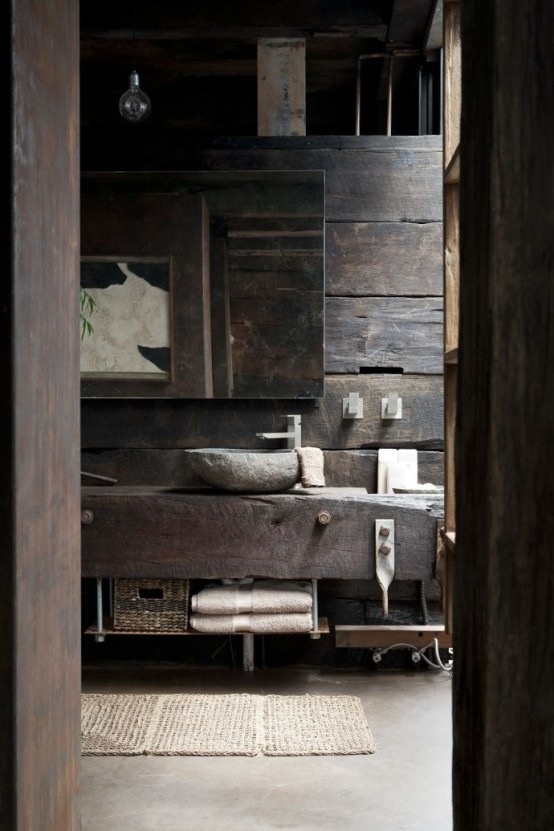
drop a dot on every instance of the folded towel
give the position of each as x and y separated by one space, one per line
262 596
311 466
255 624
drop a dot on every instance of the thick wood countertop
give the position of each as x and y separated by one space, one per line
134 531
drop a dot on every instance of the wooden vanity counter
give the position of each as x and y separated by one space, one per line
205 534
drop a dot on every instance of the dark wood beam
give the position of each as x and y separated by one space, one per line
218 19
408 23
39 422
503 762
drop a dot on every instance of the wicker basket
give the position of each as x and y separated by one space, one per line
150 605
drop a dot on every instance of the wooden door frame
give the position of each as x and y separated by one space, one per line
40 645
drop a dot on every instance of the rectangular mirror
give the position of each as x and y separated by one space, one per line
205 284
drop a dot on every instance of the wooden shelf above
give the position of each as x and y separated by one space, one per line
452 171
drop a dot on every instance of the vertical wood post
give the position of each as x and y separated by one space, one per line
39 424
504 577
281 87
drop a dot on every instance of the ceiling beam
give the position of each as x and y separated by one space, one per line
409 22
434 36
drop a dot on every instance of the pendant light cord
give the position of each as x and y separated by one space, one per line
134 65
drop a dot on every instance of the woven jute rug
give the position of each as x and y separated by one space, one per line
223 725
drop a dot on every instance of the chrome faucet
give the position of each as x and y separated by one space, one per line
293 434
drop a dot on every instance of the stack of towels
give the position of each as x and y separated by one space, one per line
257 606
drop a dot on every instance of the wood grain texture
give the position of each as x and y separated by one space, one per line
450 407
369 178
504 678
358 468
421 425
343 468
383 258
281 77
452 79
141 532
39 419
385 182
395 332
179 424
451 266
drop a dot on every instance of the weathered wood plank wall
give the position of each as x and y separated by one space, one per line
383 304
383 317
143 530
40 649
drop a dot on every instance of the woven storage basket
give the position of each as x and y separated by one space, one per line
149 605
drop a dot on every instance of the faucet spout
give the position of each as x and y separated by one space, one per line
293 434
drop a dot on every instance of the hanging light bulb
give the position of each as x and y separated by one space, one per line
134 105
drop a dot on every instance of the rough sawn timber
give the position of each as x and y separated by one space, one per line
384 332
164 533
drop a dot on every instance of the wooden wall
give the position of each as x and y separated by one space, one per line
39 423
383 314
503 761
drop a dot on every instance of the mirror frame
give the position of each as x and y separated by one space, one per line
175 215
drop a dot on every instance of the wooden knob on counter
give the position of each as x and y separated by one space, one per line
324 517
87 516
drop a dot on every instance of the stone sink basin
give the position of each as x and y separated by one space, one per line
246 471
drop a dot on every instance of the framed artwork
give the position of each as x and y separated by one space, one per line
129 335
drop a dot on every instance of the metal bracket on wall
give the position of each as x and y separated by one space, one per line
353 406
391 407
384 557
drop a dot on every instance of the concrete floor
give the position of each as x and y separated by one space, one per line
404 786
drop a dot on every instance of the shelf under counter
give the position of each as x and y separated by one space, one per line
108 629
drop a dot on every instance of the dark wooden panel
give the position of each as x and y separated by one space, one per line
343 468
503 574
421 425
149 423
371 178
191 148
385 183
173 21
358 468
144 423
383 258
39 423
175 424
222 353
139 467
400 590
141 532
391 332
256 277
